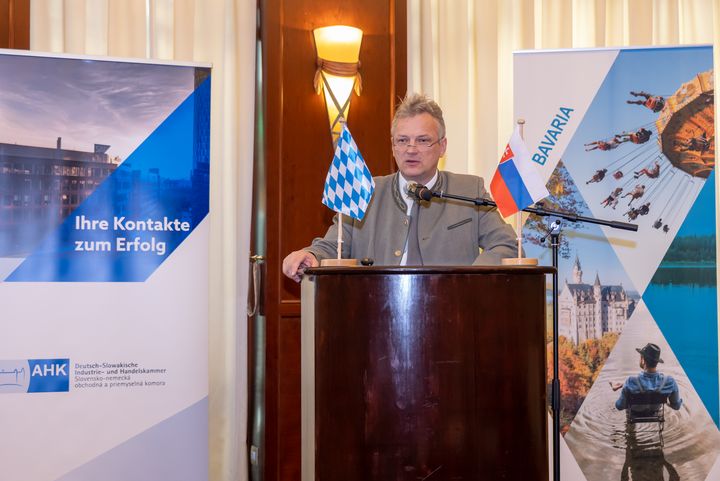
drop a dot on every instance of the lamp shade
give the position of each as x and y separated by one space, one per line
338 43
338 53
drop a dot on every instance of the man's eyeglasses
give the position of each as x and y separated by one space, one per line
421 143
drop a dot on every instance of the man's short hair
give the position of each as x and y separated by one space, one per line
415 104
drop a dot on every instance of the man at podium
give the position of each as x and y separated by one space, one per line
399 229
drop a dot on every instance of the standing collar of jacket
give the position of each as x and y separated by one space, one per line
400 198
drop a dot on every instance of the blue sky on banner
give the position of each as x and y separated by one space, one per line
87 101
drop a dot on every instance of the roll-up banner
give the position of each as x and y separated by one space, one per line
104 189
629 135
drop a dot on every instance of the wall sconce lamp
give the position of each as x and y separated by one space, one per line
338 62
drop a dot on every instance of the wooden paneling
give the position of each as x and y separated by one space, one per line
297 153
289 400
15 24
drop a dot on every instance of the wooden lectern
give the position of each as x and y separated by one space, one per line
433 373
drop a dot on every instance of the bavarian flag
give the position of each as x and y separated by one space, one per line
349 184
516 183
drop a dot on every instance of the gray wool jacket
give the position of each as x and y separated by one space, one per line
450 232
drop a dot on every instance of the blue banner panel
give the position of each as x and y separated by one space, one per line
140 214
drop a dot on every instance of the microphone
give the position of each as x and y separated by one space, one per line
419 192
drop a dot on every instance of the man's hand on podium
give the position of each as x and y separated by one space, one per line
295 263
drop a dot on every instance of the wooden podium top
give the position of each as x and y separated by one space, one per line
375 270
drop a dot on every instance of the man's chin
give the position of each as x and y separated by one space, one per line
413 174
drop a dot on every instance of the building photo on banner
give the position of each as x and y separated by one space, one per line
629 135
104 203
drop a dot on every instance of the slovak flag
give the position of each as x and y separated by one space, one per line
516 183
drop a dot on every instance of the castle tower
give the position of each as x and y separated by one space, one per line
597 287
600 323
577 271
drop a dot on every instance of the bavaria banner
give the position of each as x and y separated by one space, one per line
629 135
104 195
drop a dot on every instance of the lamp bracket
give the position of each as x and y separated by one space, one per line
341 110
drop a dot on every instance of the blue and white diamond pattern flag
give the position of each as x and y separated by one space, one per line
349 184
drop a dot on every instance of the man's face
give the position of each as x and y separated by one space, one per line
418 162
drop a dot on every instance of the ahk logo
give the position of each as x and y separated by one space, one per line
49 375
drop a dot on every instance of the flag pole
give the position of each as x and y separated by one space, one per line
518 217
340 239
340 120
519 260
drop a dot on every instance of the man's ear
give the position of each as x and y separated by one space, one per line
443 146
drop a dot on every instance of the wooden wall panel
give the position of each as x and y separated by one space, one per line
297 152
15 24
289 403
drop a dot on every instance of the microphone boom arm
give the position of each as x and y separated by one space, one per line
541 211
